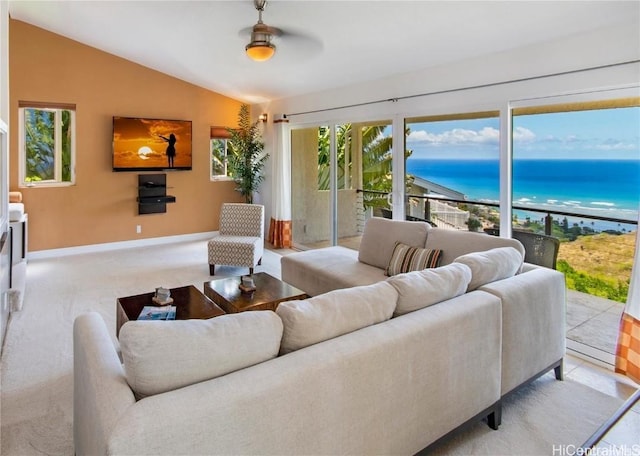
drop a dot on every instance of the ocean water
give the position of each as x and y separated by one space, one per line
607 188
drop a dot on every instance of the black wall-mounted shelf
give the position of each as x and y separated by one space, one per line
152 194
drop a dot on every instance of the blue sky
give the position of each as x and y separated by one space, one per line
596 134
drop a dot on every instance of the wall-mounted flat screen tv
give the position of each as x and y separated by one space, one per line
151 144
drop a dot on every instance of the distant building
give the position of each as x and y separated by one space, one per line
425 187
440 213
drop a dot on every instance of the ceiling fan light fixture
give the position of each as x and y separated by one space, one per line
260 48
260 51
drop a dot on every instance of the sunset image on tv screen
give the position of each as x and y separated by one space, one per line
151 143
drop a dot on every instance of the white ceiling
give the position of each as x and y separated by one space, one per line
334 43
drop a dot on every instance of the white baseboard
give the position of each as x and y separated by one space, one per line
94 248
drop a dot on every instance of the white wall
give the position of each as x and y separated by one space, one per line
607 46
5 264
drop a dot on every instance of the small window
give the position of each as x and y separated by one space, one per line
218 153
47 144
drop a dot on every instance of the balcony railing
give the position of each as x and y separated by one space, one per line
548 213
600 265
592 321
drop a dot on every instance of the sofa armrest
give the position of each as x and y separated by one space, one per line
533 323
100 390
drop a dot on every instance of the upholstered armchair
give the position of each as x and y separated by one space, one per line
240 241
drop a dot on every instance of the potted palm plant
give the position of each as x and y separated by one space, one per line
245 154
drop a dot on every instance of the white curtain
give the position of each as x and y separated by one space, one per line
628 350
280 224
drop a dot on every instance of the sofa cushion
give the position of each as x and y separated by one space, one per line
161 356
335 313
491 265
380 237
454 243
406 259
424 288
319 271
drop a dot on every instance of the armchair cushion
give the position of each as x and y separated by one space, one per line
235 250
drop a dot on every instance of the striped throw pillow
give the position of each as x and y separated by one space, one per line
406 259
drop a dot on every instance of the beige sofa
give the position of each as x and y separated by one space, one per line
533 300
390 367
334 374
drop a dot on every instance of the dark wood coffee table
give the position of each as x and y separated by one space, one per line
189 301
269 293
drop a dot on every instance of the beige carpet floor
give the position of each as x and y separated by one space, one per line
544 418
37 361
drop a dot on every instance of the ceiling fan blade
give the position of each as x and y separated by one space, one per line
299 42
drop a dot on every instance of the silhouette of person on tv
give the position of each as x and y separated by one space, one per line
171 148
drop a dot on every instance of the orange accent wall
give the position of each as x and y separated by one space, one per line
102 206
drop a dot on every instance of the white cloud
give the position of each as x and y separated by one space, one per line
525 138
457 136
616 146
521 134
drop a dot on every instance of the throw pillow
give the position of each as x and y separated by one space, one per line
333 314
491 265
406 259
161 356
419 289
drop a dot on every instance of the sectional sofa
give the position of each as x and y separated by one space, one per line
533 300
389 367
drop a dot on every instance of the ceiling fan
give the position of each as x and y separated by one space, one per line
261 47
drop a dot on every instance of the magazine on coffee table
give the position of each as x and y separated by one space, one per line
158 313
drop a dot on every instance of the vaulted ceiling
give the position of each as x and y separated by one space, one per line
326 44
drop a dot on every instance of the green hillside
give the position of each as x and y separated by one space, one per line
599 264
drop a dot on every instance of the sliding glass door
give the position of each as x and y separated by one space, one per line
341 176
453 161
576 177
365 154
310 198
